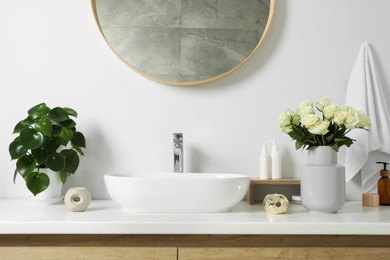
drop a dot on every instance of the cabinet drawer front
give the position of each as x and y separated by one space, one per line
134 253
282 253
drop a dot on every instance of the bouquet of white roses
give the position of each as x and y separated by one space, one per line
328 129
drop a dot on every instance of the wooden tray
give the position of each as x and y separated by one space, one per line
250 196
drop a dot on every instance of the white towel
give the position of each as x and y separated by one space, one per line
365 93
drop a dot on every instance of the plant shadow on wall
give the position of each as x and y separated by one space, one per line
47 138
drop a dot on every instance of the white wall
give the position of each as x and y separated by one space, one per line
51 51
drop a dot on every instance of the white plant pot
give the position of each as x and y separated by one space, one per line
323 181
54 190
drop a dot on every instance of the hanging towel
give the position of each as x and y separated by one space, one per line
365 93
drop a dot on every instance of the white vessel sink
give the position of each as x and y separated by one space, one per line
177 192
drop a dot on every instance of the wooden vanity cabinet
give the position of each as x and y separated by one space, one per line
188 247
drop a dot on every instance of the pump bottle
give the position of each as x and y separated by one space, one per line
276 161
384 185
264 164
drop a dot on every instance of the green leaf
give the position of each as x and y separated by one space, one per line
44 125
23 124
15 174
298 145
335 147
77 149
56 130
38 111
56 161
329 138
39 155
66 135
68 123
71 160
296 135
70 111
37 182
79 140
16 150
31 138
58 114
26 164
64 177
51 145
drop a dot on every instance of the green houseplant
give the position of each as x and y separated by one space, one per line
47 138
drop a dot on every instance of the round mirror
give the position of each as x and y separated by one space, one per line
184 42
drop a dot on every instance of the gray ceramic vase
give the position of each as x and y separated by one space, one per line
323 181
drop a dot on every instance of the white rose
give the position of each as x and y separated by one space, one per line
329 111
287 129
285 118
305 108
364 120
352 119
319 128
324 101
295 119
340 115
309 120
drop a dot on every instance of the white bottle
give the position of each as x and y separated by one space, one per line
264 164
276 161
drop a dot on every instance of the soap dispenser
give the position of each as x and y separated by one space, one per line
384 185
264 172
276 163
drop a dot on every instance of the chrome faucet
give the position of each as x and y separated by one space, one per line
177 152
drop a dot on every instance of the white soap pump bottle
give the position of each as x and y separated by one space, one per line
276 161
264 164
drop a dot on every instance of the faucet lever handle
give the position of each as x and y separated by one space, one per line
178 152
178 138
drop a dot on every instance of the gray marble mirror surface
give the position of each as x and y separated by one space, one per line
183 41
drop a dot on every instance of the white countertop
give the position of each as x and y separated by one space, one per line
105 217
